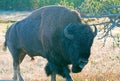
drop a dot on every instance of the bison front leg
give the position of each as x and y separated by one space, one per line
66 74
69 79
53 76
49 71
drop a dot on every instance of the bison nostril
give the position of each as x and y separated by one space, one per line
83 63
81 66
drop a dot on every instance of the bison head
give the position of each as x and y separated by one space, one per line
79 39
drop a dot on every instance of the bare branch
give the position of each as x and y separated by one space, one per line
110 15
110 28
108 21
100 23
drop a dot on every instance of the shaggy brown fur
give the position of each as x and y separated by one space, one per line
55 33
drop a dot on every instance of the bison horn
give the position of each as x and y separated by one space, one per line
66 32
95 31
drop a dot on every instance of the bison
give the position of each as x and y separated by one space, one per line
55 33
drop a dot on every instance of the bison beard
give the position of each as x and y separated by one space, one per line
55 33
57 69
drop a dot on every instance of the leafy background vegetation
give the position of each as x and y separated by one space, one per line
88 6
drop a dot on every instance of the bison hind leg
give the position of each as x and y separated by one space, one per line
18 57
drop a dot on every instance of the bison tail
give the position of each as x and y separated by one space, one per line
5 46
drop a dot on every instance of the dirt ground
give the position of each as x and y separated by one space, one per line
104 62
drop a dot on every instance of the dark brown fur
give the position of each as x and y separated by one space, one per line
46 33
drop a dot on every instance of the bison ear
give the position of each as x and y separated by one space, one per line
68 30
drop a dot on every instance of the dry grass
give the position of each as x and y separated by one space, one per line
104 63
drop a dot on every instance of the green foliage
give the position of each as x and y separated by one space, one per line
71 3
33 4
15 4
94 7
25 4
117 42
67 4
101 7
